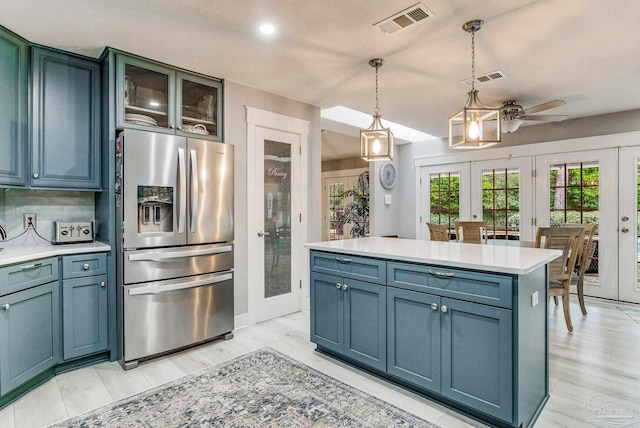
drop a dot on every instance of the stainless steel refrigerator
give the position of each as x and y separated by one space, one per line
174 199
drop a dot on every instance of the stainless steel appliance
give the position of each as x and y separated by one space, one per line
70 232
174 199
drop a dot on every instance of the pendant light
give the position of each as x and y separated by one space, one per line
480 123
376 142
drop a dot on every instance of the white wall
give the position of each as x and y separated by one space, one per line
237 97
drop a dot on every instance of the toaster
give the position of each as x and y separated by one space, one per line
72 232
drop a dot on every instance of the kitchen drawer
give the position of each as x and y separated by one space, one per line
28 274
490 289
84 265
354 267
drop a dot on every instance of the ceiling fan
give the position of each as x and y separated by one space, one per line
513 115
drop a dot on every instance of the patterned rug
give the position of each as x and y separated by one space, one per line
260 389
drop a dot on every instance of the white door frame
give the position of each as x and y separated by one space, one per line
257 118
424 196
525 191
628 158
327 177
608 211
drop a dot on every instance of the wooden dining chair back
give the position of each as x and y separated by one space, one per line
471 231
565 239
583 259
438 232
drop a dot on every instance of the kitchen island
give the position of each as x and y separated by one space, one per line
463 324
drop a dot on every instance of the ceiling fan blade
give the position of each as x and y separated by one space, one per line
546 117
545 106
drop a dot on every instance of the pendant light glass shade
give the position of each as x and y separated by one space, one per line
480 124
376 142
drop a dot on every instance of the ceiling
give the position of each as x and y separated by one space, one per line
583 51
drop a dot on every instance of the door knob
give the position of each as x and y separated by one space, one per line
263 233
434 306
624 229
444 308
475 216
624 218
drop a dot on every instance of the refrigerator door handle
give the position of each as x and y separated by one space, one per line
194 190
159 289
172 255
182 170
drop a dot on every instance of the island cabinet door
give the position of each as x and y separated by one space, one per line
365 323
413 337
327 311
477 356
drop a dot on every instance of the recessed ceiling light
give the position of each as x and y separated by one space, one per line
267 29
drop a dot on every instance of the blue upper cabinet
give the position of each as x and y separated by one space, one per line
65 121
13 108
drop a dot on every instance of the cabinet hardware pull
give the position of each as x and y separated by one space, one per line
33 266
338 285
5 307
36 175
434 306
103 284
444 274
343 260
344 287
444 309
86 266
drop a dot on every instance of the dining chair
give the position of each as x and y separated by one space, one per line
565 239
471 231
438 232
583 260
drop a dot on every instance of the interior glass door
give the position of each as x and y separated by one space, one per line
278 169
444 196
501 195
629 221
582 187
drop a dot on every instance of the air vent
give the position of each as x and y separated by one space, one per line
407 17
494 75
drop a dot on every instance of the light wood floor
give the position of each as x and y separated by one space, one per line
597 364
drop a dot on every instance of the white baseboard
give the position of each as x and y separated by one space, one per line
241 321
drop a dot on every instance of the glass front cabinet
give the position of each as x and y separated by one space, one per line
158 98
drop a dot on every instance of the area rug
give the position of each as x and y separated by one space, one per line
260 389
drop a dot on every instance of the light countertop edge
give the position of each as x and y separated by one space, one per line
21 253
488 258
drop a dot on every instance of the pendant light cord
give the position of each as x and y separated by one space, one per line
473 60
377 109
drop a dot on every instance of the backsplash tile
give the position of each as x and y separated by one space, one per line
49 206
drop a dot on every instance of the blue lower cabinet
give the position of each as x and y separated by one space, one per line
349 317
29 334
477 357
84 319
413 337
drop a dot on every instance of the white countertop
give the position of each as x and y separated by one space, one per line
491 258
22 253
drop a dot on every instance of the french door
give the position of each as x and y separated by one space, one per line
628 222
582 187
445 195
502 196
333 202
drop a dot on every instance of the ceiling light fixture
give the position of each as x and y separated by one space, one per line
480 123
376 142
267 29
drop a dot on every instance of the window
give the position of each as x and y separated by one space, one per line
445 199
574 193
501 203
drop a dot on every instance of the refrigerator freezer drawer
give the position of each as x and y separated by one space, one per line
166 263
166 315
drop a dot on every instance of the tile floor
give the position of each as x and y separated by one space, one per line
598 363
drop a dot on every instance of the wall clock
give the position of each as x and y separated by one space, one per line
388 175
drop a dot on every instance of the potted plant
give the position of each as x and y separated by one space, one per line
356 212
